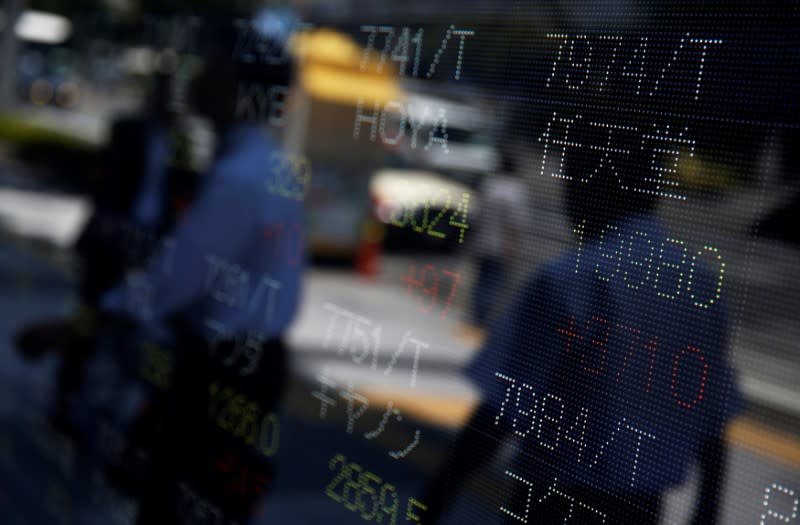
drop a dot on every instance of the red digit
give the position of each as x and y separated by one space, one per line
456 277
703 379
411 279
570 334
295 256
597 342
634 334
432 291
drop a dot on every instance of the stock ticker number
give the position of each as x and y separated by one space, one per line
551 422
427 281
428 217
241 417
289 176
663 266
288 241
364 492
593 358
784 507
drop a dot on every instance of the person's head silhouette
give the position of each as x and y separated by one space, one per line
607 171
229 64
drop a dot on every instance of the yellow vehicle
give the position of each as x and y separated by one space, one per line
335 77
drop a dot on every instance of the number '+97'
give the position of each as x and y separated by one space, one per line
432 221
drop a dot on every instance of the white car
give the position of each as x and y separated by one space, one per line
421 209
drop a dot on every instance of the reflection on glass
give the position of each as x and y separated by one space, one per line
476 262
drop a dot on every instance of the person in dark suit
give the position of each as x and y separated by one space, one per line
137 198
224 301
609 372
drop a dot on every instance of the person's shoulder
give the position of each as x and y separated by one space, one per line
129 119
548 278
250 159
124 127
560 268
238 178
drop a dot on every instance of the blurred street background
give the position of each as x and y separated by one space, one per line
54 115
36 280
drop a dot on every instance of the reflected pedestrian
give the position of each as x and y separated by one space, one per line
607 372
135 204
226 293
505 213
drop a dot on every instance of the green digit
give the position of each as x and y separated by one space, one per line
247 426
401 223
221 414
330 489
369 492
424 226
268 441
411 510
231 416
436 233
351 484
389 510
303 176
462 224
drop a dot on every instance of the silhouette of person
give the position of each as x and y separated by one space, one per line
135 203
222 298
505 208
609 372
